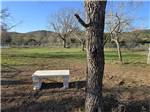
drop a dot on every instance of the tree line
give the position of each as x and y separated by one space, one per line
39 38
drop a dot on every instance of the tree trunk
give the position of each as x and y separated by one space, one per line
83 45
119 51
95 11
65 43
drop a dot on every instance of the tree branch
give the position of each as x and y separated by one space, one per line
111 33
14 25
81 21
56 30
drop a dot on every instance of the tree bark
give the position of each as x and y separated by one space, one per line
83 45
118 50
64 43
95 11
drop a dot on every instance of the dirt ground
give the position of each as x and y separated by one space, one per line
124 85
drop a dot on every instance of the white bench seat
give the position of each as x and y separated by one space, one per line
38 75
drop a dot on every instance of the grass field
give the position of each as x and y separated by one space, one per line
27 54
126 83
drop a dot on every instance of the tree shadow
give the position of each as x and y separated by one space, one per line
66 104
132 104
13 82
70 104
111 104
69 100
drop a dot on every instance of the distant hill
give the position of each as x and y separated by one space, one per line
35 34
39 37
144 35
145 31
43 37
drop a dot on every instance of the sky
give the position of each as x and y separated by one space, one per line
34 15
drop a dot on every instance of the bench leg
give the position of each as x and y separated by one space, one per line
66 82
36 83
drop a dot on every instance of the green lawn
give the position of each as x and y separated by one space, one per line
19 56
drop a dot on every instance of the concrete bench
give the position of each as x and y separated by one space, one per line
38 75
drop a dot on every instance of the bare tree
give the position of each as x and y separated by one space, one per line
5 20
80 35
64 24
5 25
95 11
115 26
119 22
5 37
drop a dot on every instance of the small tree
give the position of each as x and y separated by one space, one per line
64 24
115 25
119 21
